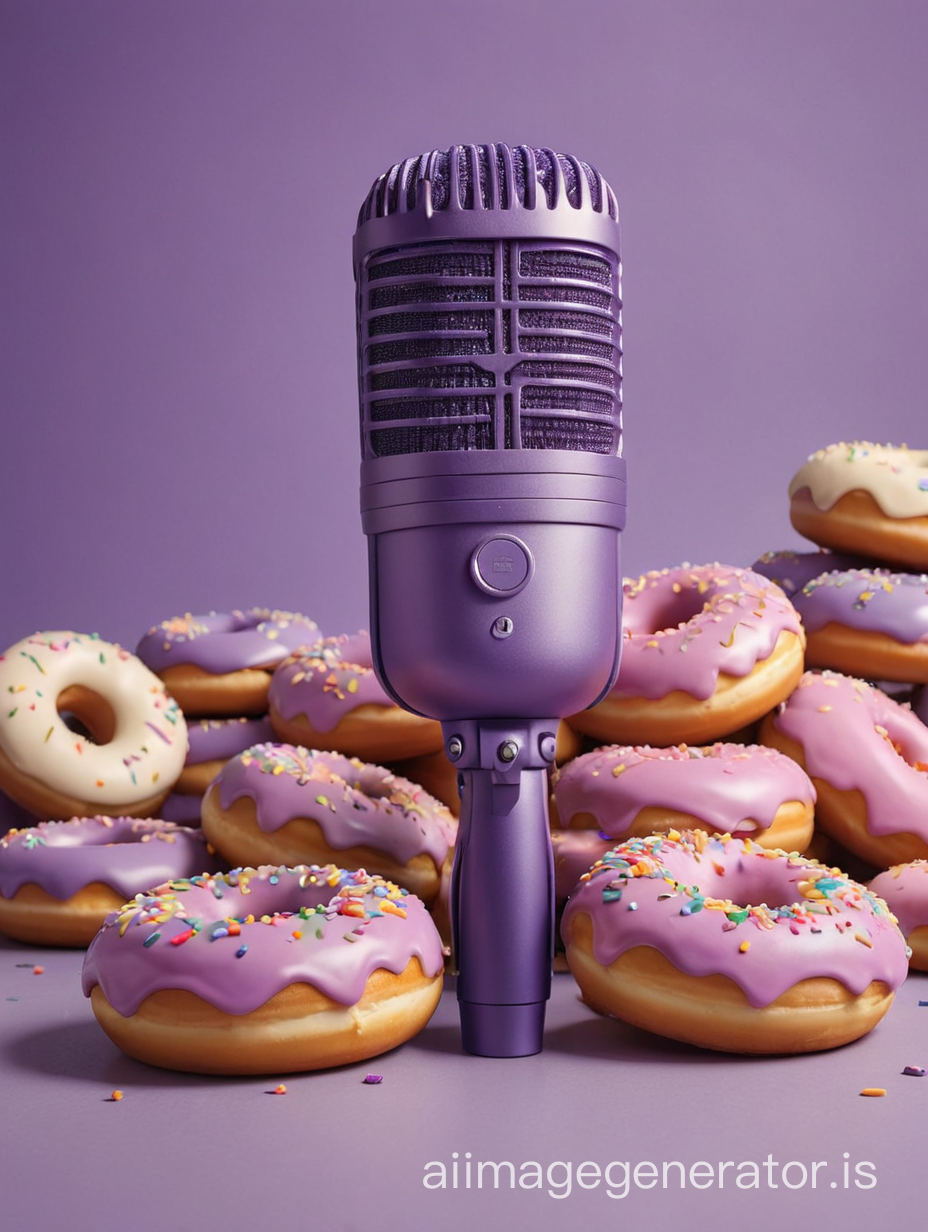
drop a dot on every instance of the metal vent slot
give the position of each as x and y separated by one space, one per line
581 322
562 293
445 376
436 265
431 408
584 401
582 436
430 323
566 345
564 370
430 438
396 294
558 263
425 348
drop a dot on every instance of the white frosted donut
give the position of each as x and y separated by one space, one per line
139 737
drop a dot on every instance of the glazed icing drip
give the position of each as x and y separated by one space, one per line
126 853
895 476
793 570
149 744
704 902
215 739
905 889
326 680
237 939
682 627
354 804
226 641
872 600
723 785
837 720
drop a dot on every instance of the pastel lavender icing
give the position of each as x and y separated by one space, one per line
326 680
220 739
226 641
724 785
854 737
354 804
126 853
871 600
792 570
683 627
239 938
905 890
699 899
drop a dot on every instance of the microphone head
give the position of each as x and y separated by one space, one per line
488 281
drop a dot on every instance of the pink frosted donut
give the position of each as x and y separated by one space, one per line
281 803
60 879
326 696
734 788
867 622
221 664
268 970
705 651
212 742
905 890
718 942
867 756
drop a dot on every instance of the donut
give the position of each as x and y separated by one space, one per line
268 970
705 651
212 742
730 788
792 570
137 736
867 757
870 500
278 803
221 664
718 942
867 622
904 887
60 879
326 696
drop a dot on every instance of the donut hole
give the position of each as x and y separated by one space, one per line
757 883
899 739
87 713
669 610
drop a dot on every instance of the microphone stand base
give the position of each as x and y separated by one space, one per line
502 1030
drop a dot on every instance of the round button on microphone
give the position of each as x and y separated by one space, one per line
502 565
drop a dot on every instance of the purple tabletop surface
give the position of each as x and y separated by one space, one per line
333 1149
178 380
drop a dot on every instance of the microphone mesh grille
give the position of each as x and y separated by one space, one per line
533 325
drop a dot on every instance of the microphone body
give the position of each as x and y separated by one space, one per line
493 496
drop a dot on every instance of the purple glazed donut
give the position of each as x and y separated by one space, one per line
59 879
281 803
220 664
793 570
212 743
326 696
905 889
716 941
734 788
268 970
867 622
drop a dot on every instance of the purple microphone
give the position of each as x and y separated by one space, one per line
493 497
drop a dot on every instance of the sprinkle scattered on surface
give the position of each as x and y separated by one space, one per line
116 1097
280 1089
373 1079
873 1091
915 1071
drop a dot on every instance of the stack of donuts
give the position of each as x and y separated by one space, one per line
857 721
846 756
218 669
91 743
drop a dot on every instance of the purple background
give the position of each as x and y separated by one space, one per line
179 186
